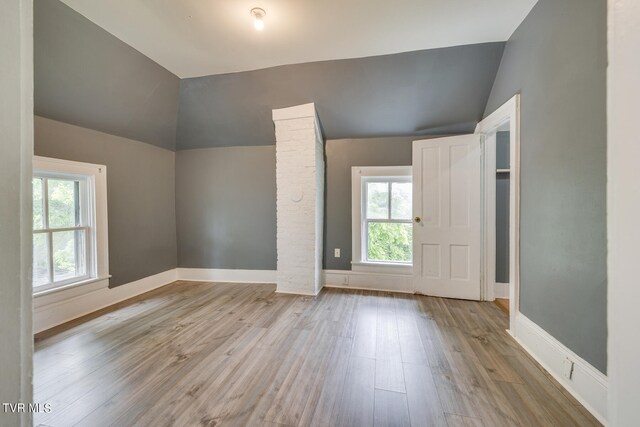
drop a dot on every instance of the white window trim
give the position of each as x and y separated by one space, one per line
96 174
357 232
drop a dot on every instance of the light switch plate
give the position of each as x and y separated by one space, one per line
336 252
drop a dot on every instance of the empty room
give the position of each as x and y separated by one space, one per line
304 213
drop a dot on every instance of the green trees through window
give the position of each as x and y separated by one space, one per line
59 239
389 227
390 242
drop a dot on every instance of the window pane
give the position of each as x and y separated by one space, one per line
377 200
38 215
401 200
40 259
68 255
390 242
63 203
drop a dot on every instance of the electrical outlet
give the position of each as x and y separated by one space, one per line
336 252
567 368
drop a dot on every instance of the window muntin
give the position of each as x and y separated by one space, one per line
387 230
63 230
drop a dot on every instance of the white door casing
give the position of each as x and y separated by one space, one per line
507 114
447 217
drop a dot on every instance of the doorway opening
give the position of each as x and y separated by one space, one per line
501 210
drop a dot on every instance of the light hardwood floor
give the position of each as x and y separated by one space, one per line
503 303
202 354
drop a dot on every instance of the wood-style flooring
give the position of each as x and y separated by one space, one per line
503 303
202 354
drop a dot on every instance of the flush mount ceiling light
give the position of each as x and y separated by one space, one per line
258 18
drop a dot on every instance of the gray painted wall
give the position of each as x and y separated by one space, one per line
16 148
557 59
226 201
226 208
502 149
416 93
341 155
88 77
140 192
502 208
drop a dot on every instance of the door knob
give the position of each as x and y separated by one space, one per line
418 219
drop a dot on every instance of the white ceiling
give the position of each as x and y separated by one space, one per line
201 37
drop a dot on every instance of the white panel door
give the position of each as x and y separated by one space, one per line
447 216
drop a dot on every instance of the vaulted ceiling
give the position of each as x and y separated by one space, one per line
428 92
113 68
201 37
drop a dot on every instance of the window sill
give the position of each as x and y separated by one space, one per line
71 290
382 267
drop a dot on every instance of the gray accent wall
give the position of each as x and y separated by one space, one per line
341 156
557 60
140 193
226 208
502 207
226 201
438 91
88 77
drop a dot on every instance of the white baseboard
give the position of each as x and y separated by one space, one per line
370 281
222 275
60 307
295 292
501 290
330 278
588 385
56 308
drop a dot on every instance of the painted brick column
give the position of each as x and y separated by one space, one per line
300 199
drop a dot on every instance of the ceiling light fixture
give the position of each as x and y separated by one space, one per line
258 18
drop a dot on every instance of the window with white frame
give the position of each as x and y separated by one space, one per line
382 210
69 223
